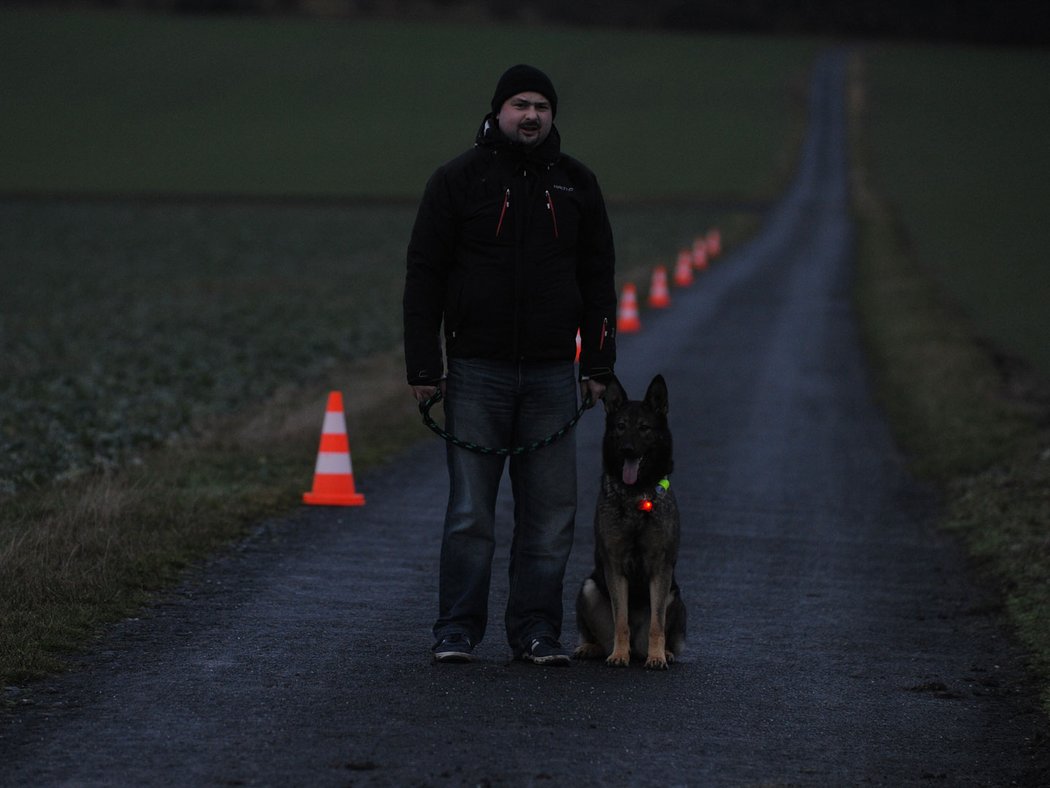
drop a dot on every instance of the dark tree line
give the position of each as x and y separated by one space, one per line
1011 22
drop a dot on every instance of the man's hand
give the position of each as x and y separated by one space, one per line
594 388
423 393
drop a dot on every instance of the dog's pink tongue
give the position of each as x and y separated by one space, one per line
630 471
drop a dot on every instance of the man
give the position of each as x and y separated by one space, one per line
512 254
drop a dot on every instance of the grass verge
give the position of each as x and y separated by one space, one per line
974 420
79 555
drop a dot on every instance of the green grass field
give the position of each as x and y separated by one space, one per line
132 103
125 325
959 147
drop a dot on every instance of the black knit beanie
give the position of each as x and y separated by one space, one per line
520 79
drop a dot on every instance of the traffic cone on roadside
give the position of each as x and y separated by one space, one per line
700 253
683 270
659 295
714 242
627 320
334 473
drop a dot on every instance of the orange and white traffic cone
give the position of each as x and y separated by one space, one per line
659 295
683 270
627 320
700 253
334 473
714 242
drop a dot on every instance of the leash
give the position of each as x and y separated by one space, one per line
425 406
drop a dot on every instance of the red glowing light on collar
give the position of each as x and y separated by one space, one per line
645 505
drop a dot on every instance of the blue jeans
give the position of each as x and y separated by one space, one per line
506 404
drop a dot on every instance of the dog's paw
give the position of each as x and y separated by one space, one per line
619 659
588 651
656 663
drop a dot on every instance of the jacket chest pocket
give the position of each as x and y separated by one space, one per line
491 219
561 218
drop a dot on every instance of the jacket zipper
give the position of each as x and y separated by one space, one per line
554 216
503 211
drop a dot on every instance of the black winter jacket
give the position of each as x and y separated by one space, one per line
512 251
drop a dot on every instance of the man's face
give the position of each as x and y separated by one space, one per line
526 118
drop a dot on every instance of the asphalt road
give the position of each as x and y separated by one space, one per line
835 636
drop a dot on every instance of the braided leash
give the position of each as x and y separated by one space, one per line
425 406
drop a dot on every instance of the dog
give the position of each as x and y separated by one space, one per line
631 603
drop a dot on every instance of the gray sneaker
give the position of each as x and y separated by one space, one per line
545 650
454 648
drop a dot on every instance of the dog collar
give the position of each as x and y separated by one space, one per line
645 504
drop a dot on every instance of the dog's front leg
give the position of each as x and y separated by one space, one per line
659 598
621 653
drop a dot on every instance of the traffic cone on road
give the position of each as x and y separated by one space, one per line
334 473
700 253
683 270
714 242
627 320
659 295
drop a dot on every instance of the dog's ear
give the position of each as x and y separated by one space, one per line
656 395
614 396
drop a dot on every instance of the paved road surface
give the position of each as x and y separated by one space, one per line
836 638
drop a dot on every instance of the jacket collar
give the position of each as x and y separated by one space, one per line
489 137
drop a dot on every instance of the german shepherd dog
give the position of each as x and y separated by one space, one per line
631 603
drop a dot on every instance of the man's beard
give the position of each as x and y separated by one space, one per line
527 129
